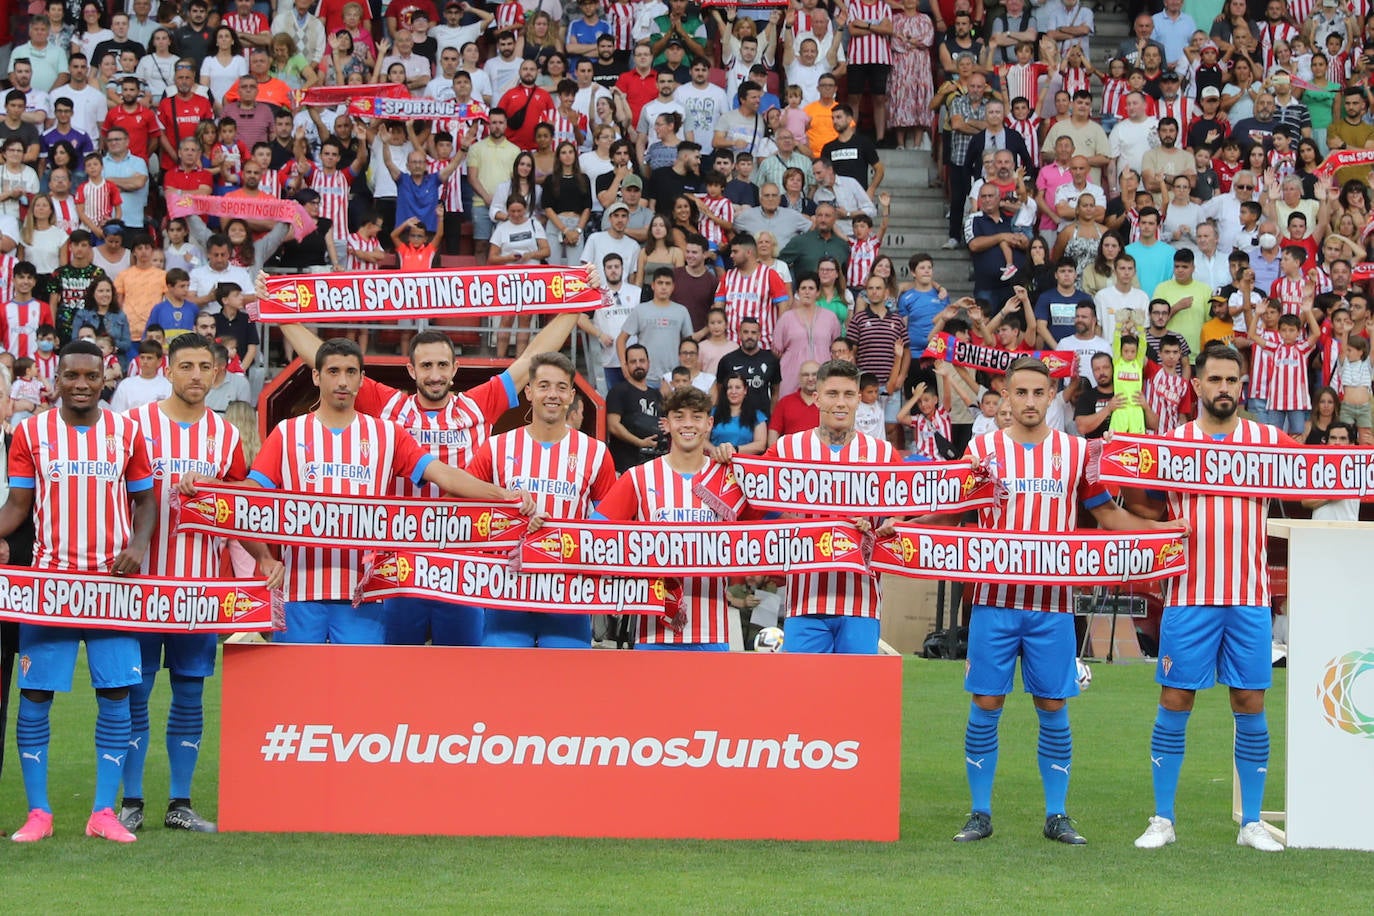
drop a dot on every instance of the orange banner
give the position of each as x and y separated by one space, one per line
336 739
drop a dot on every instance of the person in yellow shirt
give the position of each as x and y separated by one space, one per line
1220 328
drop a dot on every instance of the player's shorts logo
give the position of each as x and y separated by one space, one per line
1167 663
1337 693
25 663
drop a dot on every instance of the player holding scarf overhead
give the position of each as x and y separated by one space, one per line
1216 622
685 485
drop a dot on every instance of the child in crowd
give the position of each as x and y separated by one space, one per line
98 200
986 420
27 393
1355 375
930 424
868 417
414 247
717 213
179 250
717 341
1290 398
1129 365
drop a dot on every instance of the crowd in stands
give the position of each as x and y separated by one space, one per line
720 165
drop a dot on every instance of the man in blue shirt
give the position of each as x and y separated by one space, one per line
990 230
417 192
920 304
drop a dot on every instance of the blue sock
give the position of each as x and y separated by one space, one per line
980 755
111 748
32 733
138 736
185 723
1166 757
1252 762
1055 752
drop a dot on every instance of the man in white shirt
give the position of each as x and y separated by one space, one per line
1086 340
1067 22
612 238
89 104
441 87
145 386
604 326
704 103
1122 294
451 33
206 278
503 68
848 196
1132 137
1211 264
419 69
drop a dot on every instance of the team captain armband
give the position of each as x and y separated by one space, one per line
693 549
1222 468
777 485
349 522
144 604
456 292
1073 558
490 581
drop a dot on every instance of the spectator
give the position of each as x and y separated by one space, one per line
990 231
870 57
797 411
1189 299
634 409
757 365
1089 140
695 283
193 38
146 385
737 422
821 127
47 61
852 154
1124 295
141 286
659 326
1154 259
525 104
1056 310
804 332
217 270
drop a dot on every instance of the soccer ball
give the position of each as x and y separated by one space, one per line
768 640
1085 675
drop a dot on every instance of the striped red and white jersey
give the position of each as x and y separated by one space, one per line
509 15
869 48
362 459
1288 377
1022 81
1029 129
98 200
67 214
1288 290
564 477
250 24
451 191
451 435
19 323
654 492
924 431
357 243
1045 483
753 295
1301 10
721 208
271 182
1227 545
1180 108
563 128
840 593
1261 362
7 264
46 366
209 447
1331 358
1076 79
1272 32
333 190
1282 164
81 478
862 254
1114 91
620 16
1168 393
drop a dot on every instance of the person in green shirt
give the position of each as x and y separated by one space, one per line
1320 97
1188 299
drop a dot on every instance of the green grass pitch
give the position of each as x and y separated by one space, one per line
1015 871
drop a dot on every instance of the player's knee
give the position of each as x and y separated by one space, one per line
37 696
1176 699
1247 702
990 703
111 693
1049 704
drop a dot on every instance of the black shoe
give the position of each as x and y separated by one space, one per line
978 827
184 817
131 814
1060 828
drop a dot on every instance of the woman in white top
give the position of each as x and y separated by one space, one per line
1181 215
520 186
596 161
221 70
517 240
92 31
44 242
767 244
158 69
471 64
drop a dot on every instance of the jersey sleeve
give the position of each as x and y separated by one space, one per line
138 472
482 463
411 457
495 396
372 397
777 289
266 470
605 478
621 501
23 471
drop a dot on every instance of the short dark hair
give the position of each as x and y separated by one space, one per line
1028 364
81 348
430 336
186 342
688 398
558 361
838 368
338 346
1218 351
149 347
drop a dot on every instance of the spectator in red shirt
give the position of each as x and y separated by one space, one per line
331 11
524 104
181 113
136 118
188 175
640 85
797 412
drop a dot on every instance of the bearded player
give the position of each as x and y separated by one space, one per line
337 451
1217 617
565 471
182 437
670 489
1043 471
78 468
833 612
451 425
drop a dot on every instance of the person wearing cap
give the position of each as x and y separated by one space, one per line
632 195
1173 28
1209 127
1288 109
678 24
614 238
676 65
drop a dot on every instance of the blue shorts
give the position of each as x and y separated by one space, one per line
527 629
338 622
830 634
413 621
186 654
482 226
1043 641
47 657
682 647
1202 644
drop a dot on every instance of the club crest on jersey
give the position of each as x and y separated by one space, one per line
1057 462
25 663
365 449
571 463
110 447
